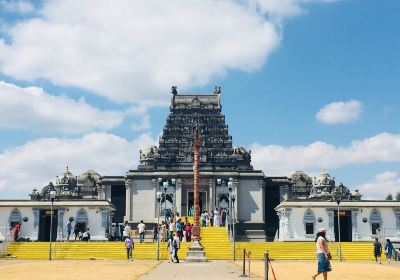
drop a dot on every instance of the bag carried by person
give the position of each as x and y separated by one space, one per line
329 255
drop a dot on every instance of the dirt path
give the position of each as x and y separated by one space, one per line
72 270
218 270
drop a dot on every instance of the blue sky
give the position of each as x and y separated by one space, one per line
306 84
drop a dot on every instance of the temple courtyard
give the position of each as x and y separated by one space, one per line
144 270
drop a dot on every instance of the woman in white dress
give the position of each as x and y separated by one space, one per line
216 217
171 248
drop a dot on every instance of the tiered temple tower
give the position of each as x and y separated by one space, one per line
224 169
175 151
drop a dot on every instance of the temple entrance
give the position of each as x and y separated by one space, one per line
44 225
345 226
202 202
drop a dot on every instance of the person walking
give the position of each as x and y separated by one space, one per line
142 230
188 230
155 232
76 231
223 217
163 232
117 232
127 231
216 217
211 218
377 250
170 247
323 254
388 250
203 219
16 231
170 229
177 246
179 230
69 230
207 218
129 245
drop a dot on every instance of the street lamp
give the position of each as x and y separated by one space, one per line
232 198
159 194
233 226
165 185
52 197
338 198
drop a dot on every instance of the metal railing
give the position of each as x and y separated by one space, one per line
333 245
6 238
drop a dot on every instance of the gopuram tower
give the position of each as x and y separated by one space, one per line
225 171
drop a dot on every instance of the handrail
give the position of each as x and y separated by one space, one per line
8 239
333 245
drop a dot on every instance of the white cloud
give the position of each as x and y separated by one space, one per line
38 162
15 6
381 185
31 108
279 160
340 112
133 51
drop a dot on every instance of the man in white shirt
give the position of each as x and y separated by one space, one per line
141 229
127 230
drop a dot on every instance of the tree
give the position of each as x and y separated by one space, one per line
398 196
389 197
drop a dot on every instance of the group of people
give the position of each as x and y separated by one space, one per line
82 234
182 229
389 250
216 218
324 256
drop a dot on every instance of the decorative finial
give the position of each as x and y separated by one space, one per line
66 169
174 90
217 90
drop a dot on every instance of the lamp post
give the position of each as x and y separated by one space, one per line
233 225
232 199
338 220
165 185
52 197
159 194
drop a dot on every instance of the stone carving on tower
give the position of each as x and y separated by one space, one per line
175 150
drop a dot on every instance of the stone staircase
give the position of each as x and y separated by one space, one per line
216 243
304 250
89 250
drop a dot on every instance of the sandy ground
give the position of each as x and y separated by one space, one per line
72 270
285 270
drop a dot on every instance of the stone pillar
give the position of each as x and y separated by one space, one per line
128 207
211 195
101 191
354 214
178 196
236 184
104 222
331 224
286 228
60 227
36 214
262 188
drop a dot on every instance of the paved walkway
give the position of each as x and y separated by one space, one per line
221 270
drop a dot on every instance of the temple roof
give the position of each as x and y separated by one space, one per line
175 149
